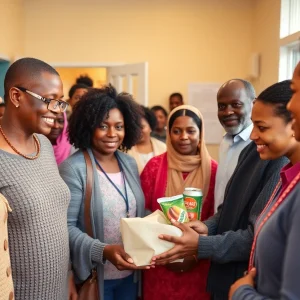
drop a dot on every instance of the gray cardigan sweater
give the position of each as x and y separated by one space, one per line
87 252
277 254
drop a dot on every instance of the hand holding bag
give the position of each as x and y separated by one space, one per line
89 289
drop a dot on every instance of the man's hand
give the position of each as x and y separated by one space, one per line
198 226
246 280
186 245
119 258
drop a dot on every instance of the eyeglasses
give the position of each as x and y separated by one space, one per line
52 104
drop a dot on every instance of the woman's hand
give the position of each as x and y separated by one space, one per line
198 226
246 280
119 258
186 245
72 288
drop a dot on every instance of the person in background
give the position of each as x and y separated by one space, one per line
186 163
230 232
6 284
39 198
175 100
76 92
59 138
2 107
86 80
274 272
234 100
160 131
102 123
147 147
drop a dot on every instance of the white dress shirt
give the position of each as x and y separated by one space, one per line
230 149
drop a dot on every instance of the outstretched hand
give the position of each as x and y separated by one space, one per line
120 259
186 245
248 279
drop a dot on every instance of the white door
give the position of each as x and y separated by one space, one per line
131 78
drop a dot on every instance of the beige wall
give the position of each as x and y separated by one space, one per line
11 28
69 76
183 41
266 26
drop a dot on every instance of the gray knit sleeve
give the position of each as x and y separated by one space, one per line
236 245
86 252
212 222
230 246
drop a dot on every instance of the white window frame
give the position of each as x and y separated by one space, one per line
290 38
286 61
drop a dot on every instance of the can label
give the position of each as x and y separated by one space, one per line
193 202
174 208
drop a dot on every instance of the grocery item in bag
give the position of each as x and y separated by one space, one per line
174 208
193 202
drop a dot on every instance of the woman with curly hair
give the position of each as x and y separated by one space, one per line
102 123
147 147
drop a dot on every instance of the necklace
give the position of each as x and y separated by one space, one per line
270 213
36 141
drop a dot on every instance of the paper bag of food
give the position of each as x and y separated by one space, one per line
140 237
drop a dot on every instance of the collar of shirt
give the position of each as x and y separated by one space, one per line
243 135
288 173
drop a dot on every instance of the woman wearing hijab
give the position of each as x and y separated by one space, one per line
186 163
59 138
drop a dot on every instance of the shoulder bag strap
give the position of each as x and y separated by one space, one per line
88 194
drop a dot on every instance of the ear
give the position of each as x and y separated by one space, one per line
15 96
290 129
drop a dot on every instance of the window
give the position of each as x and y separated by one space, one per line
290 17
289 38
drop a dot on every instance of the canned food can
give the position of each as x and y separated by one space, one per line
193 202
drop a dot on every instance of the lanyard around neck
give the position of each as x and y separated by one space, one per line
281 198
125 197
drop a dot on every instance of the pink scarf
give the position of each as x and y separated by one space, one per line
63 147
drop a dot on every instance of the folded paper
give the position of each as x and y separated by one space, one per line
140 237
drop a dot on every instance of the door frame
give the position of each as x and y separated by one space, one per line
99 65
85 64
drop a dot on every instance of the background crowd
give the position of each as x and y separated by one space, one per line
49 147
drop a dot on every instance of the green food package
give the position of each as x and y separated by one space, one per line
174 208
